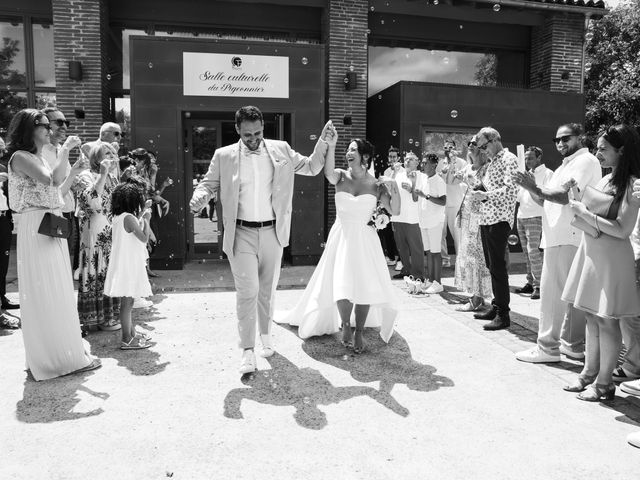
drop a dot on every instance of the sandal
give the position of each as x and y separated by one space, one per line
136 343
110 327
581 383
95 363
598 393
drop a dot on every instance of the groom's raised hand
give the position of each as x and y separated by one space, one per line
329 134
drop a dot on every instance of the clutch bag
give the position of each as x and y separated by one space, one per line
599 203
54 226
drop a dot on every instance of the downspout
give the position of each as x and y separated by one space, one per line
587 17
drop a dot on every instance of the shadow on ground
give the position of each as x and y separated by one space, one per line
54 400
307 390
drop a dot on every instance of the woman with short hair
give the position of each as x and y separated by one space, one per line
93 189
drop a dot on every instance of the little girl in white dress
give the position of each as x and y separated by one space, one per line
127 274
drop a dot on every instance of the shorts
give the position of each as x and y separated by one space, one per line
432 238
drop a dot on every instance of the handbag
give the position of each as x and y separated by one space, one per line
54 226
599 203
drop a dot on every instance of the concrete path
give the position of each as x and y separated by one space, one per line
443 400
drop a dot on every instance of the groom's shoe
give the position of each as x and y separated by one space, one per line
501 322
248 364
267 346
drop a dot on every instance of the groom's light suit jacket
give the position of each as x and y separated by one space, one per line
223 180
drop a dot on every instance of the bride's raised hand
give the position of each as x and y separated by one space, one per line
329 134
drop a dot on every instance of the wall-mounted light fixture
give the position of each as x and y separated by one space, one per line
350 81
75 70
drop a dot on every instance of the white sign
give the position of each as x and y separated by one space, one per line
229 75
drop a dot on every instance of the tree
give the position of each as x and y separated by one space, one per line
612 81
486 74
10 102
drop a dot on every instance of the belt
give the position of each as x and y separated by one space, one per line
244 223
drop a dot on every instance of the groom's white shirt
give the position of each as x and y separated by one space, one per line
256 179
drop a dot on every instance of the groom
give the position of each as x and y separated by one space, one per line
253 179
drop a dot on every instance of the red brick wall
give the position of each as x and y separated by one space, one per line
556 48
346 39
80 30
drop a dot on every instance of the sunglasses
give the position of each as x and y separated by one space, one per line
115 133
563 139
60 122
472 143
484 145
45 125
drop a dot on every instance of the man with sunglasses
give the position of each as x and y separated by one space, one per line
561 328
59 125
529 221
498 209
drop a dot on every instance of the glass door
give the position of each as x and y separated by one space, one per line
204 228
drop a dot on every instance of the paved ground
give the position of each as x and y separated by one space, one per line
443 400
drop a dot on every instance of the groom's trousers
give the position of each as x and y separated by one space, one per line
255 265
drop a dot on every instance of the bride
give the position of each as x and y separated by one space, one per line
352 269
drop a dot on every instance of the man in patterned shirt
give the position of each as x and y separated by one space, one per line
498 209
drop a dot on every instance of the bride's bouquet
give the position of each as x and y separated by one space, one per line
379 218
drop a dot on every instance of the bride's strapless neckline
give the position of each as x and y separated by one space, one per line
356 196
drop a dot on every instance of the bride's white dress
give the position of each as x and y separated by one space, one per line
352 267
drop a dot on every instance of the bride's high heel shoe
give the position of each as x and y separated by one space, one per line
347 338
598 393
580 384
358 346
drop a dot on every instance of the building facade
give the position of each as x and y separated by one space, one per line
173 73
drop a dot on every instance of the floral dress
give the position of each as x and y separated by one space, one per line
94 212
472 274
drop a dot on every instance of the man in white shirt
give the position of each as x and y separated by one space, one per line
448 169
562 327
406 229
59 125
387 240
529 221
253 181
433 197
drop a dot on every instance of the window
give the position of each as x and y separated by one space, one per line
389 65
27 66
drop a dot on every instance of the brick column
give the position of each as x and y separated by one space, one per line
556 54
80 29
347 50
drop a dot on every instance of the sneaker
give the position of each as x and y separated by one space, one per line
398 266
571 354
267 346
535 355
413 286
621 375
248 364
536 294
634 439
435 288
399 276
632 387
390 262
408 280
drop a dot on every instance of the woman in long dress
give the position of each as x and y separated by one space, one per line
93 189
602 279
50 326
352 275
472 274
